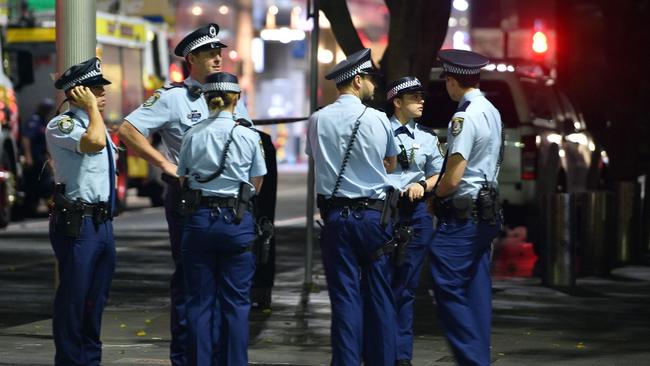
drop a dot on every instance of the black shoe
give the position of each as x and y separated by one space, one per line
403 363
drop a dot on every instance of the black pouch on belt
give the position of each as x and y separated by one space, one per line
189 202
243 201
389 212
486 204
68 216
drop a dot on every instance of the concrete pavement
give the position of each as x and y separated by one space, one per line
604 321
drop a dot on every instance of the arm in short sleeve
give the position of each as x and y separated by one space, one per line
183 156
153 114
311 125
258 165
463 141
64 137
434 160
391 147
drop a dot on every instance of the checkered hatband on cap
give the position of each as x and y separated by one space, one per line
81 78
401 86
453 69
349 74
223 86
201 41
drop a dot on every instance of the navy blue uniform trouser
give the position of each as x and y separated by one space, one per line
463 287
178 324
407 276
86 267
218 276
363 310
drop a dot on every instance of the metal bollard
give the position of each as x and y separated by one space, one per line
559 238
624 210
595 231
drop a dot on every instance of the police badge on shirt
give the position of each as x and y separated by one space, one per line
194 116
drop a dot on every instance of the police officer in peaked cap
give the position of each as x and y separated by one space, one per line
419 164
354 149
81 229
223 164
171 111
467 206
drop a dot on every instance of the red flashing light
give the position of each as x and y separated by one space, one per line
175 73
540 42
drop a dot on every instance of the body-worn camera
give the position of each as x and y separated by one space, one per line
403 158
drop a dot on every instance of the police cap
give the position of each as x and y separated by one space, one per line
358 63
462 62
202 38
221 82
87 73
407 84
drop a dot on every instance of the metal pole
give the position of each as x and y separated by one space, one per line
313 104
76 41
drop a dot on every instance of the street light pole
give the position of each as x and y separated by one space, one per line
76 41
313 12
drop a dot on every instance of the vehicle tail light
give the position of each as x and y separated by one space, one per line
529 158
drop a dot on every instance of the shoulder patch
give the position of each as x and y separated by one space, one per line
152 99
262 148
441 149
426 129
457 125
65 124
463 107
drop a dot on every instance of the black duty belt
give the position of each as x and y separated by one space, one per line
357 203
86 209
221 202
461 208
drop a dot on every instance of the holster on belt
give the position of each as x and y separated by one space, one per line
262 245
461 208
244 197
389 212
68 215
487 204
402 235
189 201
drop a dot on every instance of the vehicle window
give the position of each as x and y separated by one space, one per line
538 100
498 93
439 108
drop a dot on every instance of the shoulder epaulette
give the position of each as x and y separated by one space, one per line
426 129
174 85
463 107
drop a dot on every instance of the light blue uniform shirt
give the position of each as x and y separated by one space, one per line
475 133
422 149
85 175
172 112
328 135
202 150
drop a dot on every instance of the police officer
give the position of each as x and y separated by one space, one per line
81 230
171 111
38 180
353 149
223 164
419 163
468 212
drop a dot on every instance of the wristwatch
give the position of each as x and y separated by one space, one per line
423 183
